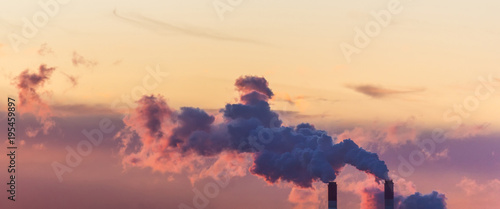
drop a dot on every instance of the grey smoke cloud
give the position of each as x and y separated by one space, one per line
299 154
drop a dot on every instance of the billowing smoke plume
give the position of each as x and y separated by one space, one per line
300 154
249 84
433 200
373 198
30 100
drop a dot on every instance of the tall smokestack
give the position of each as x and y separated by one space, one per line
332 195
389 194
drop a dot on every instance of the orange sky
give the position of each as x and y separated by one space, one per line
434 65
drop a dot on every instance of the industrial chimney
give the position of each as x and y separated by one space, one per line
389 194
332 195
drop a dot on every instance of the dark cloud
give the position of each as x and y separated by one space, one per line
190 120
373 198
29 82
253 83
79 60
253 98
152 113
433 200
380 92
259 110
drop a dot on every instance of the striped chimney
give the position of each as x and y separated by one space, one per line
332 195
389 194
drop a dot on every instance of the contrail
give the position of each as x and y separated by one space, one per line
144 21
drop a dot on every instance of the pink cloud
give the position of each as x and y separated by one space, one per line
437 155
39 146
304 198
377 134
471 187
467 131
227 165
478 195
29 85
153 122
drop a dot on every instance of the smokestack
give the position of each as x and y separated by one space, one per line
389 194
332 195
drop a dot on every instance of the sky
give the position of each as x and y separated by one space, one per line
415 82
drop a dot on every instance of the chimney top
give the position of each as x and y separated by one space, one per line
389 189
